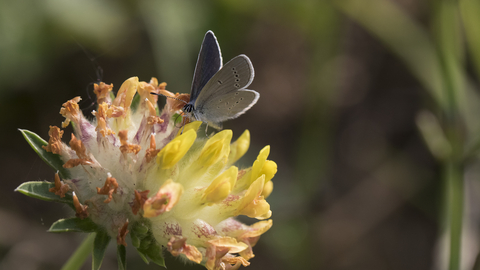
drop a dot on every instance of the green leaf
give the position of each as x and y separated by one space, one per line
73 225
121 256
39 190
154 252
99 247
140 229
135 240
135 102
143 256
158 260
51 159
469 13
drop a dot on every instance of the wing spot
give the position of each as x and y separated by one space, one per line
226 103
219 82
237 93
218 107
236 75
233 68
220 100
237 80
237 102
230 108
237 85
241 98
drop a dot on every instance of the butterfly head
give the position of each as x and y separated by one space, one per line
188 108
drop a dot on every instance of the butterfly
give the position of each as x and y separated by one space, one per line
218 92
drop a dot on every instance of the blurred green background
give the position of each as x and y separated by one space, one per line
370 107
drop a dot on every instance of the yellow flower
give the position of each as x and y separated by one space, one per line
136 172
176 149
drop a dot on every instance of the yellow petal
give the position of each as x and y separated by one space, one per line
176 149
253 204
267 189
215 149
258 164
165 199
190 126
178 245
239 147
228 242
259 228
144 89
126 92
221 187
269 169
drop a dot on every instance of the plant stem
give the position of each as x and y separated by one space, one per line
454 175
81 254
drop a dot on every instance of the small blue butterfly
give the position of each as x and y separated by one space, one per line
218 93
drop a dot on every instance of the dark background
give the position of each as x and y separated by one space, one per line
356 188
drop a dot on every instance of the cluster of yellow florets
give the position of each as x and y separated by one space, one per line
133 170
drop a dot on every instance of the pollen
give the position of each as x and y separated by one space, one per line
122 233
102 91
78 147
54 143
80 150
151 151
153 119
109 188
127 147
80 209
106 111
70 110
140 199
60 188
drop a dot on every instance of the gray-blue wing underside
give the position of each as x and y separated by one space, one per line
209 61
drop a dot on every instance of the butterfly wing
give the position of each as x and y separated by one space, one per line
209 61
224 96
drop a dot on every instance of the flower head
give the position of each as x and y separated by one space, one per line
132 171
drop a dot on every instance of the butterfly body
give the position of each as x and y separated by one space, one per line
218 92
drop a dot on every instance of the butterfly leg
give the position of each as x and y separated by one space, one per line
183 124
206 128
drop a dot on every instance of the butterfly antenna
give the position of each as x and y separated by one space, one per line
158 94
98 73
